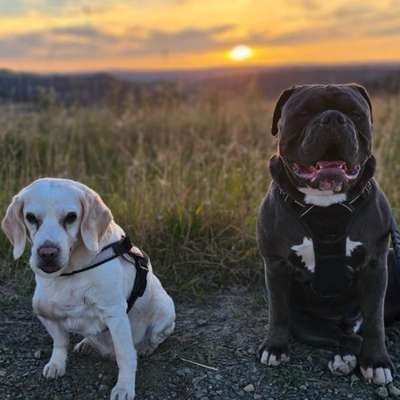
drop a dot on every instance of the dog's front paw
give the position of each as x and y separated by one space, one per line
377 375
377 370
342 364
123 392
273 356
54 370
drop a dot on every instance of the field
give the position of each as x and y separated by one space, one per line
183 178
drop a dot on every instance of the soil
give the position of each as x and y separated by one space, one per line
220 333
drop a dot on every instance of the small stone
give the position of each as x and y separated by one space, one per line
393 390
3 372
303 387
37 354
257 396
382 392
103 388
249 388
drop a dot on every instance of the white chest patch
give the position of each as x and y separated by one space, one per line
351 246
322 198
305 251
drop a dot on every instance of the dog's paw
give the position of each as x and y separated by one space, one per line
123 392
83 347
342 364
379 375
54 370
273 360
273 356
376 368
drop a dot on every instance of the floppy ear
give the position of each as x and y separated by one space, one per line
96 218
283 98
361 89
13 226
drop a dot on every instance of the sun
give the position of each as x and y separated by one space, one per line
240 53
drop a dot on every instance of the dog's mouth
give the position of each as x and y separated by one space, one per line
327 175
49 268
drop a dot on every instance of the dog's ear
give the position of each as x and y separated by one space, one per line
96 217
13 226
361 89
283 98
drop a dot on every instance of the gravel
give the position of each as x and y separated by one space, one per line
210 356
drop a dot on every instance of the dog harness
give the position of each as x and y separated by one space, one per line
328 227
124 248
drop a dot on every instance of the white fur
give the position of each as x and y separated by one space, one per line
322 198
357 325
342 365
92 303
272 360
351 246
305 250
379 376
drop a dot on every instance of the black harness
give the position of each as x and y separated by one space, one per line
123 248
334 270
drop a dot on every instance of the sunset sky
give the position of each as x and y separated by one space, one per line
61 35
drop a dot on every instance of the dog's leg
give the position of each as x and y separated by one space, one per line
56 366
125 354
375 363
274 349
162 323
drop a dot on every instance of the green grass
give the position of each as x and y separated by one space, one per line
184 179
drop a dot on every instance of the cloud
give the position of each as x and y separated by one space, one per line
74 41
82 42
85 40
188 40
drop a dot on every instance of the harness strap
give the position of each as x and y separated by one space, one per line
333 274
141 261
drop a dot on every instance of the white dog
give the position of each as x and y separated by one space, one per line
69 227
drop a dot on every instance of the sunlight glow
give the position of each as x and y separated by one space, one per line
240 53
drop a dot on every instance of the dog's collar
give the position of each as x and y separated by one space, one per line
303 209
123 248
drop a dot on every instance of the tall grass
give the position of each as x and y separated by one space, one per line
183 179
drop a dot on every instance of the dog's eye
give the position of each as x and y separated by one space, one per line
70 218
304 113
31 219
356 115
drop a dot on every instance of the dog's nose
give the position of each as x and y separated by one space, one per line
48 251
333 116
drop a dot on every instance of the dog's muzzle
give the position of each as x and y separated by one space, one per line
48 254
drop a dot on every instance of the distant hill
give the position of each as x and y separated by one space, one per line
117 86
270 82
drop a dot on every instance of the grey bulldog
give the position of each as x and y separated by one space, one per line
323 231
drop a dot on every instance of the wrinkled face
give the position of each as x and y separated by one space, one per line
57 216
325 136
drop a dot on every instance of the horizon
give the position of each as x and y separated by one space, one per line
61 36
217 68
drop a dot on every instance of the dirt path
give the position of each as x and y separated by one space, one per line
222 332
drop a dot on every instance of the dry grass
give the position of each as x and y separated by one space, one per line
184 179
